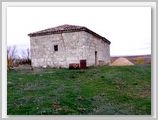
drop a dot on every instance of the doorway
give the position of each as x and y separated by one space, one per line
96 59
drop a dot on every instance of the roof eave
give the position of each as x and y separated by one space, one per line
97 35
73 30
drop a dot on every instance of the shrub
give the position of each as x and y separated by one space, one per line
139 60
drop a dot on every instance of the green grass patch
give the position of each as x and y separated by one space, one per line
102 90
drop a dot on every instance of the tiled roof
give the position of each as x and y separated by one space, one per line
66 28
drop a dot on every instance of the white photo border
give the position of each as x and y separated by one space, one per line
78 4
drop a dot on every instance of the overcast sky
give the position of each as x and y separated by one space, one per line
128 28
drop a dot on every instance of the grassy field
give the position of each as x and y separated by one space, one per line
103 90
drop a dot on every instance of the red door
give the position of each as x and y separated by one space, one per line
83 64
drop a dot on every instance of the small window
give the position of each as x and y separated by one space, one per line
55 47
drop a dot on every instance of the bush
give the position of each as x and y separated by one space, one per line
139 60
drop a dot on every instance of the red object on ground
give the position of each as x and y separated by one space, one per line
83 64
73 66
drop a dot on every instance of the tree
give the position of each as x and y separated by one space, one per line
25 56
11 56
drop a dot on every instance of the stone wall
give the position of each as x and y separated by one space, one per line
72 47
93 44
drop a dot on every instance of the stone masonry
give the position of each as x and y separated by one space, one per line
72 45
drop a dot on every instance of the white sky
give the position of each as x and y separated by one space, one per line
128 28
